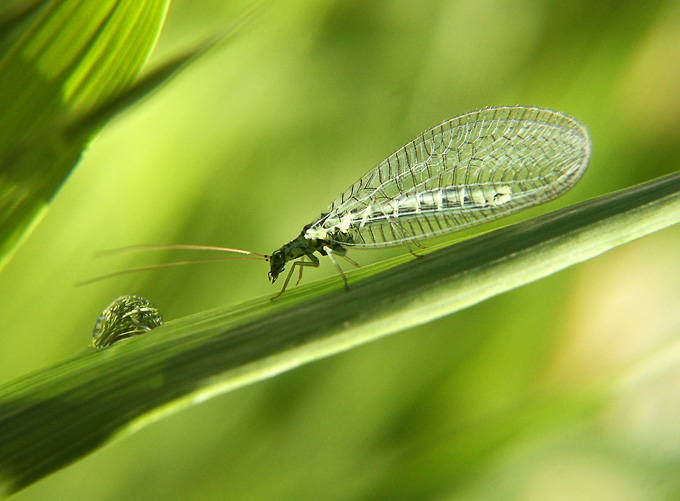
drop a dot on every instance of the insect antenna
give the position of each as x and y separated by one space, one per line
142 248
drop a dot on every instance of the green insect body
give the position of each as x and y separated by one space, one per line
466 171
305 247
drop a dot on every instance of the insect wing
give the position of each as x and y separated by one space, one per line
463 172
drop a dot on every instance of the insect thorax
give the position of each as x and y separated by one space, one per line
309 241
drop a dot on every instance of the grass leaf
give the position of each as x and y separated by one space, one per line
72 56
109 393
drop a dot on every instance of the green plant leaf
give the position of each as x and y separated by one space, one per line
13 15
85 124
65 58
99 395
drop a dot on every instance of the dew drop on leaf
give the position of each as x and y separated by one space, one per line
126 317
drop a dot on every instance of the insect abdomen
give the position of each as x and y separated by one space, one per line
463 172
436 200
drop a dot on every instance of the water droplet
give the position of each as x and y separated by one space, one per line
126 317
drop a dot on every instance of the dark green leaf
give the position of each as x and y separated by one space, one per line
99 395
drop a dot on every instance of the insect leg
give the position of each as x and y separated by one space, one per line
300 274
329 251
406 238
350 261
300 264
405 242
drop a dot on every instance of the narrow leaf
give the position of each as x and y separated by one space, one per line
55 416
72 56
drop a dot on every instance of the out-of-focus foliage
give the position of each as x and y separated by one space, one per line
58 61
255 141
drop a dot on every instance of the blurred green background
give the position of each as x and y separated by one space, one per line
565 389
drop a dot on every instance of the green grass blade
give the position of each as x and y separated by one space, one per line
72 56
12 17
55 416
94 118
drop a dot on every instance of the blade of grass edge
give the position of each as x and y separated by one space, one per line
93 119
79 129
70 135
67 58
57 415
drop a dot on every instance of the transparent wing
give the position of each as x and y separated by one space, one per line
466 171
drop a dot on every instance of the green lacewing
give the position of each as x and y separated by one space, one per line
466 171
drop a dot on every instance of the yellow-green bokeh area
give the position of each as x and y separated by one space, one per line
564 389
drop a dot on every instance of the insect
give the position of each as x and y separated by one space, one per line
465 171
125 317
